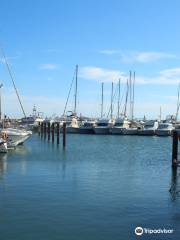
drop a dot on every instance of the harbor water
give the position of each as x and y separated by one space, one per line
98 188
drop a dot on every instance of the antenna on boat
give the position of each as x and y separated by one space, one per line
75 95
12 79
102 99
119 92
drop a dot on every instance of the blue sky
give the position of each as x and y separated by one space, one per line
44 40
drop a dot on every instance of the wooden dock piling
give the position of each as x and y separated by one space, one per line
52 131
42 124
175 150
49 131
58 132
64 134
39 128
44 130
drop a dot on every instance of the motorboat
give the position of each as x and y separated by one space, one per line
103 125
149 128
164 129
16 136
121 125
72 125
87 127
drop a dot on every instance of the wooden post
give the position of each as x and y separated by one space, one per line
175 150
57 129
49 133
39 128
64 134
44 130
42 124
52 128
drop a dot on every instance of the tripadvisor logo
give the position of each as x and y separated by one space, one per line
139 231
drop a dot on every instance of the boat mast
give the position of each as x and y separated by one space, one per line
119 92
112 101
127 91
75 95
11 76
130 95
102 99
160 113
134 76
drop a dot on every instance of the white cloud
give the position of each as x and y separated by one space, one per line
146 57
101 74
164 77
136 56
48 66
108 51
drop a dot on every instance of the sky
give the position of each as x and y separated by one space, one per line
44 40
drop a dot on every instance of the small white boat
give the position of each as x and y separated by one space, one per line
16 136
3 145
103 125
164 129
72 125
121 125
149 128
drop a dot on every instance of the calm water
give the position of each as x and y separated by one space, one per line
100 187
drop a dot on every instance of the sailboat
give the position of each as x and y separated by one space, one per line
121 122
103 125
133 126
15 136
72 124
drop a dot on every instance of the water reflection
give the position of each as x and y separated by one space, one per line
3 164
175 184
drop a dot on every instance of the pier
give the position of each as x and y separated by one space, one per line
48 131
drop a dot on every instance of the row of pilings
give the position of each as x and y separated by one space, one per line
52 131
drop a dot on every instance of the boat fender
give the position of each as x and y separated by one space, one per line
4 136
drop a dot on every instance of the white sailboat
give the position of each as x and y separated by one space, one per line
121 122
104 124
14 136
132 129
72 123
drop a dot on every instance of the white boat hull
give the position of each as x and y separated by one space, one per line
16 136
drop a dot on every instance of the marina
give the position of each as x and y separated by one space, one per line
98 188
89 120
